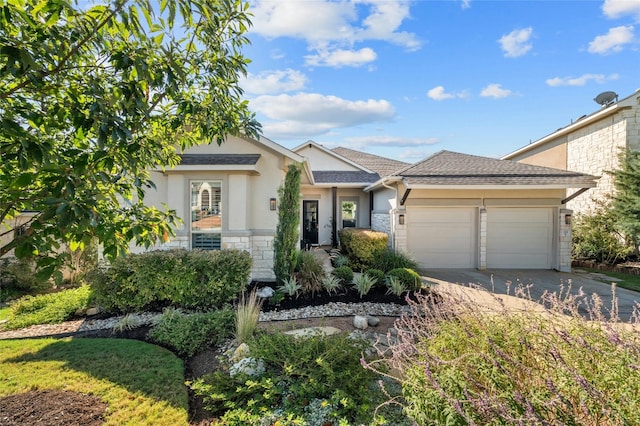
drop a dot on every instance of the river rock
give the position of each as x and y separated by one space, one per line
360 322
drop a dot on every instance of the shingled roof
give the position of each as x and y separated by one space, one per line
341 176
381 165
218 159
452 168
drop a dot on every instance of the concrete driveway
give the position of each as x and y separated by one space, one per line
539 281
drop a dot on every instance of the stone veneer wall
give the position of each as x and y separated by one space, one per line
564 241
381 222
594 150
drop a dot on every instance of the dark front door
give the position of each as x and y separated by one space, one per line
310 221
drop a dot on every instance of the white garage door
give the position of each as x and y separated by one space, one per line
442 237
519 238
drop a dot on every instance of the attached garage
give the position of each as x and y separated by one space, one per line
520 238
442 237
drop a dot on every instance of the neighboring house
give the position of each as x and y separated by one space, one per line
591 145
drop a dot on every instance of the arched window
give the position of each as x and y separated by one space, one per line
205 200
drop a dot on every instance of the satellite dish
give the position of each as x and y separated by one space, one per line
606 98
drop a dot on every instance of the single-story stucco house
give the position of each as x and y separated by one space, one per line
450 210
590 144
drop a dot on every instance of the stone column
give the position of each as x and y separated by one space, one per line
565 217
482 237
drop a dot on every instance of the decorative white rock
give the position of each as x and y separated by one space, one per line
242 351
313 331
265 292
360 322
250 366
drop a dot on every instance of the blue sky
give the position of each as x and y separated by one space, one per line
405 79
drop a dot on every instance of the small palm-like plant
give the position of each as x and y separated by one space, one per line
331 283
395 286
363 283
247 315
290 286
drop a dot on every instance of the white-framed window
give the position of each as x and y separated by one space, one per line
206 214
349 212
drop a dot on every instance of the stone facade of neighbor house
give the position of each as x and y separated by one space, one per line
589 145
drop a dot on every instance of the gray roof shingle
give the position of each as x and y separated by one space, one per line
218 159
381 165
452 168
341 176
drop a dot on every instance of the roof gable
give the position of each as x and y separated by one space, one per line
380 165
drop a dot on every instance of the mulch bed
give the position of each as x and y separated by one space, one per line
51 408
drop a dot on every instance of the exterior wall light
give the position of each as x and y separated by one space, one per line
401 219
567 219
272 204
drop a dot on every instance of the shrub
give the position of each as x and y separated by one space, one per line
331 284
52 308
363 283
247 316
596 236
376 274
187 334
395 285
302 375
309 272
344 274
461 365
338 259
18 278
290 287
193 279
361 246
285 244
408 277
389 259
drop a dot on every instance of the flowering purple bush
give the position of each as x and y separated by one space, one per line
462 365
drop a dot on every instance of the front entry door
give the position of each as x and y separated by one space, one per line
310 221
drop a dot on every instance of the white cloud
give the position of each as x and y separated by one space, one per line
516 43
328 26
613 41
389 141
342 58
580 81
466 4
618 8
309 114
495 91
273 82
439 94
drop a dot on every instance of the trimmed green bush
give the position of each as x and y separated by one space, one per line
344 274
193 279
378 275
52 308
361 246
18 278
389 259
597 236
187 334
408 277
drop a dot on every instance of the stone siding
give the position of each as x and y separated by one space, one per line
594 150
564 241
262 255
381 222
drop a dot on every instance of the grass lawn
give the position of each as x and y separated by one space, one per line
628 281
142 384
4 313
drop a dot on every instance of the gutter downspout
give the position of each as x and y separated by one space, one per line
574 195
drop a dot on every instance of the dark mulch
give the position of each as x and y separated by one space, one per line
51 408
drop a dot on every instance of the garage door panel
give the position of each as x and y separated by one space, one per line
519 238
442 237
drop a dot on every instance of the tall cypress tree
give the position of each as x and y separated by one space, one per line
626 200
287 233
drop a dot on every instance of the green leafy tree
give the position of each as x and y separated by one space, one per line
626 199
92 98
287 235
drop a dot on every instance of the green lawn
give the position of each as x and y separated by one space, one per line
628 281
4 313
142 384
